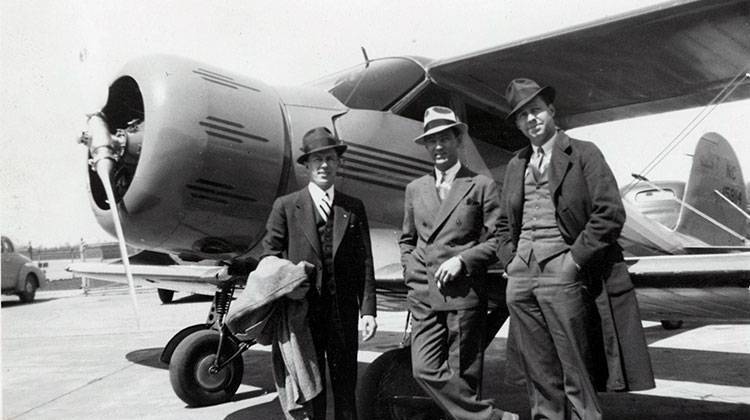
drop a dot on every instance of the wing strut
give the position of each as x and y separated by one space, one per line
720 97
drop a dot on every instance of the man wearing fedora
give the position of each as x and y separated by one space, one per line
573 312
328 229
447 242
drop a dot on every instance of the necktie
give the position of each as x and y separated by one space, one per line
443 187
540 159
325 207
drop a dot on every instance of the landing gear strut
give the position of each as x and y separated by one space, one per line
205 360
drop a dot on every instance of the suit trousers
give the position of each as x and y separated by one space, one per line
447 349
548 316
334 332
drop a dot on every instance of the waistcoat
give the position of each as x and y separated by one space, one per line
325 235
539 231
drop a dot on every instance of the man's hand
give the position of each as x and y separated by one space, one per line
569 268
369 327
448 271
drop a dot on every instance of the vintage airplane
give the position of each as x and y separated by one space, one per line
196 155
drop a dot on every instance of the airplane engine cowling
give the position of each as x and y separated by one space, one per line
206 153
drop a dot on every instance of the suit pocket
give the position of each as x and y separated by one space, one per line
469 218
514 266
413 270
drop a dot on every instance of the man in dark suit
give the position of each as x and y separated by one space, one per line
448 240
569 293
329 229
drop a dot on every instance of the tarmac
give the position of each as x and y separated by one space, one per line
75 356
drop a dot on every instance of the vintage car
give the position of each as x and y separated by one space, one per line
20 275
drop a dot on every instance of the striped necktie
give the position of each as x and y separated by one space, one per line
443 187
325 207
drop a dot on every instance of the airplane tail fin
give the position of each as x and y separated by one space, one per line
715 180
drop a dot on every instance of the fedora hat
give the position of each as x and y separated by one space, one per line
437 119
317 140
522 91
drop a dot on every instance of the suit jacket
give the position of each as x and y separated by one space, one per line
590 216
291 233
463 224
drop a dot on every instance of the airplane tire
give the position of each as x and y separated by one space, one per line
29 289
165 296
387 390
189 370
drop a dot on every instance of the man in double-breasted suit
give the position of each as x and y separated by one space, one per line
569 293
448 240
329 229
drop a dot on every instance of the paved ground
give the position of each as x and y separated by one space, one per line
72 356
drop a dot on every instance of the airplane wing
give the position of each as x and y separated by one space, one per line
736 264
649 61
196 279
202 279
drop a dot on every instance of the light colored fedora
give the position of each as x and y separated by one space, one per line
437 119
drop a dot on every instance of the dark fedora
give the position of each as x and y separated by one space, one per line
522 91
317 140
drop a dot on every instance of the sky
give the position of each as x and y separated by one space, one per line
58 57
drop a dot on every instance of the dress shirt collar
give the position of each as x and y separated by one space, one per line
547 146
450 174
317 193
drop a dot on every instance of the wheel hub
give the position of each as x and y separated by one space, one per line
208 380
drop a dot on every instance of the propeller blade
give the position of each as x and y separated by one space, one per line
102 147
104 168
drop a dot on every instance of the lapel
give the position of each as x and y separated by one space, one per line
559 163
304 213
341 216
429 193
517 180
461 186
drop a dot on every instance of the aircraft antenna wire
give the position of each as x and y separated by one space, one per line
720 98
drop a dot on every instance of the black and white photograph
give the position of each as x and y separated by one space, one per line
375 210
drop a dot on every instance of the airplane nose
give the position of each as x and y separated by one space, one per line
209 152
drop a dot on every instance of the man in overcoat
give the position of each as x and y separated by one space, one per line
448 240
573 311
328 229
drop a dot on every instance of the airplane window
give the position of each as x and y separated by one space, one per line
494 129
654 195
376 86
432 95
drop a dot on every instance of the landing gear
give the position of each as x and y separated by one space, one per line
671 324
205 360
201 377
389 392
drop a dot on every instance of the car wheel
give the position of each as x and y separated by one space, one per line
29 289
165 296
190 373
